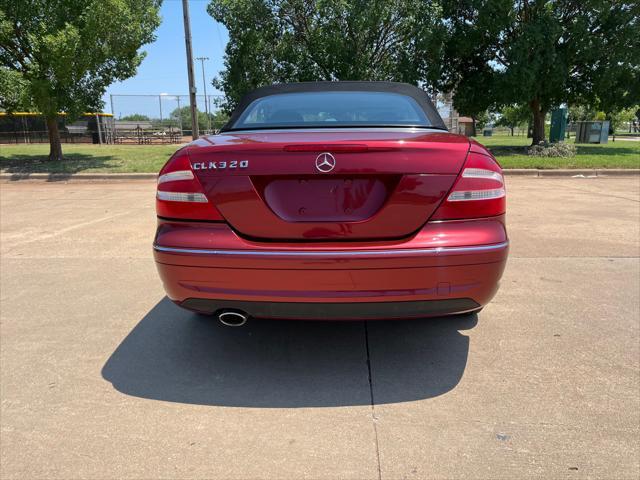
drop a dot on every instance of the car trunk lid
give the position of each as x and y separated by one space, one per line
319 185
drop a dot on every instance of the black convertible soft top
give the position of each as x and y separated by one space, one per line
420 96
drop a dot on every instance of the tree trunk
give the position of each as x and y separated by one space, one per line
55 147
538 122
474 133
512 131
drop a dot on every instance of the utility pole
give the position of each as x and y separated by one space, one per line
179 114
192 83
204 84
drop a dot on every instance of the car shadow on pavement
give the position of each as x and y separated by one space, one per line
173 355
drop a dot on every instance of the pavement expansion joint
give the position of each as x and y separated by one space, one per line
373 408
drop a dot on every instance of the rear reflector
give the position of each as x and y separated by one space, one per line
182 197
478 192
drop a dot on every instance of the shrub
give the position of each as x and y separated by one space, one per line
546 149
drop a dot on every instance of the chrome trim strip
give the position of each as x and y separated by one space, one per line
336 253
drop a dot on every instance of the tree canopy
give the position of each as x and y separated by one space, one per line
60 55
136 117
297 40
490 53
541 53
513 116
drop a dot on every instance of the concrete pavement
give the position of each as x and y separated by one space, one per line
102 377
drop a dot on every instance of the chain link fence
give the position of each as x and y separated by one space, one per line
163 118
134 119
29 127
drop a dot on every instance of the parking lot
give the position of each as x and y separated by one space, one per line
102 377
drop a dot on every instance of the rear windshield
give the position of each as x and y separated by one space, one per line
332 109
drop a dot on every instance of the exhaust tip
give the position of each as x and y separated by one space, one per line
232 319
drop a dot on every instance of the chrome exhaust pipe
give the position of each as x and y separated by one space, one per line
232 319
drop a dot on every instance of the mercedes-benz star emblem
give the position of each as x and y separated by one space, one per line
325 162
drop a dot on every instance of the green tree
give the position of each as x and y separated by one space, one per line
581 113
216 119
541 53
13 91
219 119
621 117
66 52
513 116
484 119
299 40
135 117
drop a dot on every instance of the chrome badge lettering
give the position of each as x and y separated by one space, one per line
221 165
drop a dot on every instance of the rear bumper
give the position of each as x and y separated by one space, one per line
336 311
446 268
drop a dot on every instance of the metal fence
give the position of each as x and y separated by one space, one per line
168 113
28 127
134 119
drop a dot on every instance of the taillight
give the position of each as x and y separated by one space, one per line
180 195
478 192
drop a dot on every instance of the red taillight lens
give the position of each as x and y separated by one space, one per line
180 195
478 192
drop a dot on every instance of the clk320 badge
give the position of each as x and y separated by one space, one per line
222 165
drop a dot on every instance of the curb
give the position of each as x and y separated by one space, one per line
577 172
77 177
128 177
618 172
520 172
568 173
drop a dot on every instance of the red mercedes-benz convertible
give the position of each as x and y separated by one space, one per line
331 200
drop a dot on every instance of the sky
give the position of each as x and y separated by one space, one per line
164 70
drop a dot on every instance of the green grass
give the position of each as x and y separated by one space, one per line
85 158
510 151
